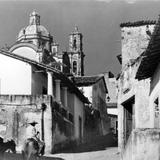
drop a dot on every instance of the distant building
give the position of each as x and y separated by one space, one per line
111 101
95 89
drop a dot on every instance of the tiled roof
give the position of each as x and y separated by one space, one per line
86 80
136 24
151 57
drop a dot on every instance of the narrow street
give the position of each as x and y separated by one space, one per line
100 148
110 153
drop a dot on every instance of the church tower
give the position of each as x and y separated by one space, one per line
76 54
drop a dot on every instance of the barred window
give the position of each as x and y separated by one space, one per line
156 107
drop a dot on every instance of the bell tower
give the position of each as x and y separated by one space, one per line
76 54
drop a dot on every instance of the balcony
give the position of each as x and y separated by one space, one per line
63 112
70 117
59 108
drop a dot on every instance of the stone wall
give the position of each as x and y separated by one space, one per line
134 41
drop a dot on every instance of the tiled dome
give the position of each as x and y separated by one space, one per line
34 28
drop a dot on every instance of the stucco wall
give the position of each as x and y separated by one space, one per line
142 108
142 115
15 76
130 88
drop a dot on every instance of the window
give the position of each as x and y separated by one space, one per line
44 90
74 67
156 113
156 107
74 44
129 118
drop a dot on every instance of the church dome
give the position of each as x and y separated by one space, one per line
34 29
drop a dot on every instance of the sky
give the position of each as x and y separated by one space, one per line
97 20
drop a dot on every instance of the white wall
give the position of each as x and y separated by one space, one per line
27 52
87 92
112 111
15 76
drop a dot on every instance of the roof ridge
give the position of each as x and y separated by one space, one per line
99 75
138 23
